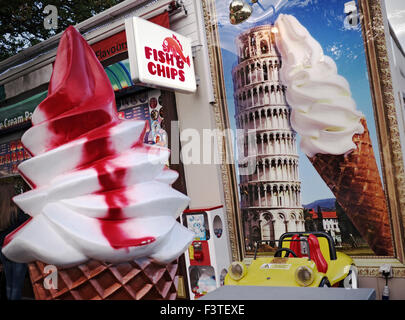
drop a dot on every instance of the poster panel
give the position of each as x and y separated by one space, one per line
297 84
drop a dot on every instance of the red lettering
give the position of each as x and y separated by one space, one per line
180 63
169 59
161 57
161 71
168 72
174 73
155 55
181 76
148 52
152 68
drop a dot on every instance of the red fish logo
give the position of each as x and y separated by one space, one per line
174 46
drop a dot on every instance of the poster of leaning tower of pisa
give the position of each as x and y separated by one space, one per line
270 196
279 188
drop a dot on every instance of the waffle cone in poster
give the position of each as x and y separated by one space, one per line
355 181
136 280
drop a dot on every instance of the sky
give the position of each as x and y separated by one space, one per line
325 21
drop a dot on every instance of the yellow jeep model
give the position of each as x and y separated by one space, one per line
310 260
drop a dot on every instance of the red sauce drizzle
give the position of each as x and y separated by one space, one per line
115 200
79 81
69 128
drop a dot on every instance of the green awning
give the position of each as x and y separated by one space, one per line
119 75
18 114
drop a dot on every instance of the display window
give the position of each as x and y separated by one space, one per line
202 280
12 153
198 223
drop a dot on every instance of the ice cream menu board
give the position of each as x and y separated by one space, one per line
146 106
12 154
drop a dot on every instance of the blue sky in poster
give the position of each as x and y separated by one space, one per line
325 21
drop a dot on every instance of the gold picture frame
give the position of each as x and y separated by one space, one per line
386 125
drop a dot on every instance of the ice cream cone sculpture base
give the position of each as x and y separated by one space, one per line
141 279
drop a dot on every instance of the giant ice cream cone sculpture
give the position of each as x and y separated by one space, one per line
100 196
334 134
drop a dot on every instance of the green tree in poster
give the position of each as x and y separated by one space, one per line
22 22
309 221
320 219
349 233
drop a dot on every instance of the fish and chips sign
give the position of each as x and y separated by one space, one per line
159 57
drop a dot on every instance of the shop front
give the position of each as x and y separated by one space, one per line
166 110
225 112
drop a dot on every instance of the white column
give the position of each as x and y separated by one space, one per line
276 72
276 171
265 144
262 174
284 171
292 178
283 145
271 118
291 197
294 197
262 144
260 119
278 144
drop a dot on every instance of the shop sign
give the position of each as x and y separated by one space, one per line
7 123
117 43
111 46
18 115
159 57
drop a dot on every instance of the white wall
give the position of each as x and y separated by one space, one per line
204 184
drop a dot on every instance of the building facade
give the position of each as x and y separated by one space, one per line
329 222
271 195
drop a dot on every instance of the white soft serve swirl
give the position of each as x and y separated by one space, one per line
323 112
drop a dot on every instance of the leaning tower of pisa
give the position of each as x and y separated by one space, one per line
271 195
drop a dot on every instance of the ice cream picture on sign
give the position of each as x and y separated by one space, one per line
98 192
333 133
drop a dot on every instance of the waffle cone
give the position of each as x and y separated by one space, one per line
355 181
135 280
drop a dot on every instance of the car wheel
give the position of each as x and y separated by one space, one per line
351 280
324 283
